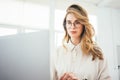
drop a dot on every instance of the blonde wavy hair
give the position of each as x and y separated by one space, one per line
88 45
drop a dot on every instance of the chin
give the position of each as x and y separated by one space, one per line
73 36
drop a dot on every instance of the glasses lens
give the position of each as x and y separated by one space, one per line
75 24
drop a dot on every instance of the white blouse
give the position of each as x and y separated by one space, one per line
71 59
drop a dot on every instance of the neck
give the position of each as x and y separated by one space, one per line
75 41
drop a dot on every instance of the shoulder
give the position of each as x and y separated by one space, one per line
103 69
102 65
101 61
60 48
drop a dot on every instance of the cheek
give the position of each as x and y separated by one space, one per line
80 30
68 32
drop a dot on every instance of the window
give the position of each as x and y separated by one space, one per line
30 30
59 31
7 31
23 16
25 13
36 16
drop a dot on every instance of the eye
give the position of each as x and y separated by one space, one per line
68 22
77 22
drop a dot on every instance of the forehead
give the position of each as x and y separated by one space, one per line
71 17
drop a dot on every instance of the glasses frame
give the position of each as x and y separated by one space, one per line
76 23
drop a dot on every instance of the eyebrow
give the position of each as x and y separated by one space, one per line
74 21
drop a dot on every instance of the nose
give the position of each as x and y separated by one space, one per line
72 25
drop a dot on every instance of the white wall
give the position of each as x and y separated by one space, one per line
63 5
116 36
108 24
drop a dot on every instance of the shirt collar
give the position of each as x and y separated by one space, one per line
71 46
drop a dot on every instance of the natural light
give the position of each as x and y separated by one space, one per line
25 14
7 31
18 16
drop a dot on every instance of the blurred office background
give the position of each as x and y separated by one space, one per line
30 16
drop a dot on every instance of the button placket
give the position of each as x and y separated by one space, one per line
74 54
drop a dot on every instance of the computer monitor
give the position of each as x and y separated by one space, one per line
25 56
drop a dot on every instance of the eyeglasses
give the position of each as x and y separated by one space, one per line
76 24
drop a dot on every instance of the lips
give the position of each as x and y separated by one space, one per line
73 32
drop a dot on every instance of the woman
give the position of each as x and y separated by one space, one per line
79 58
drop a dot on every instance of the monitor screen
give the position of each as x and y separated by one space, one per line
25 56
